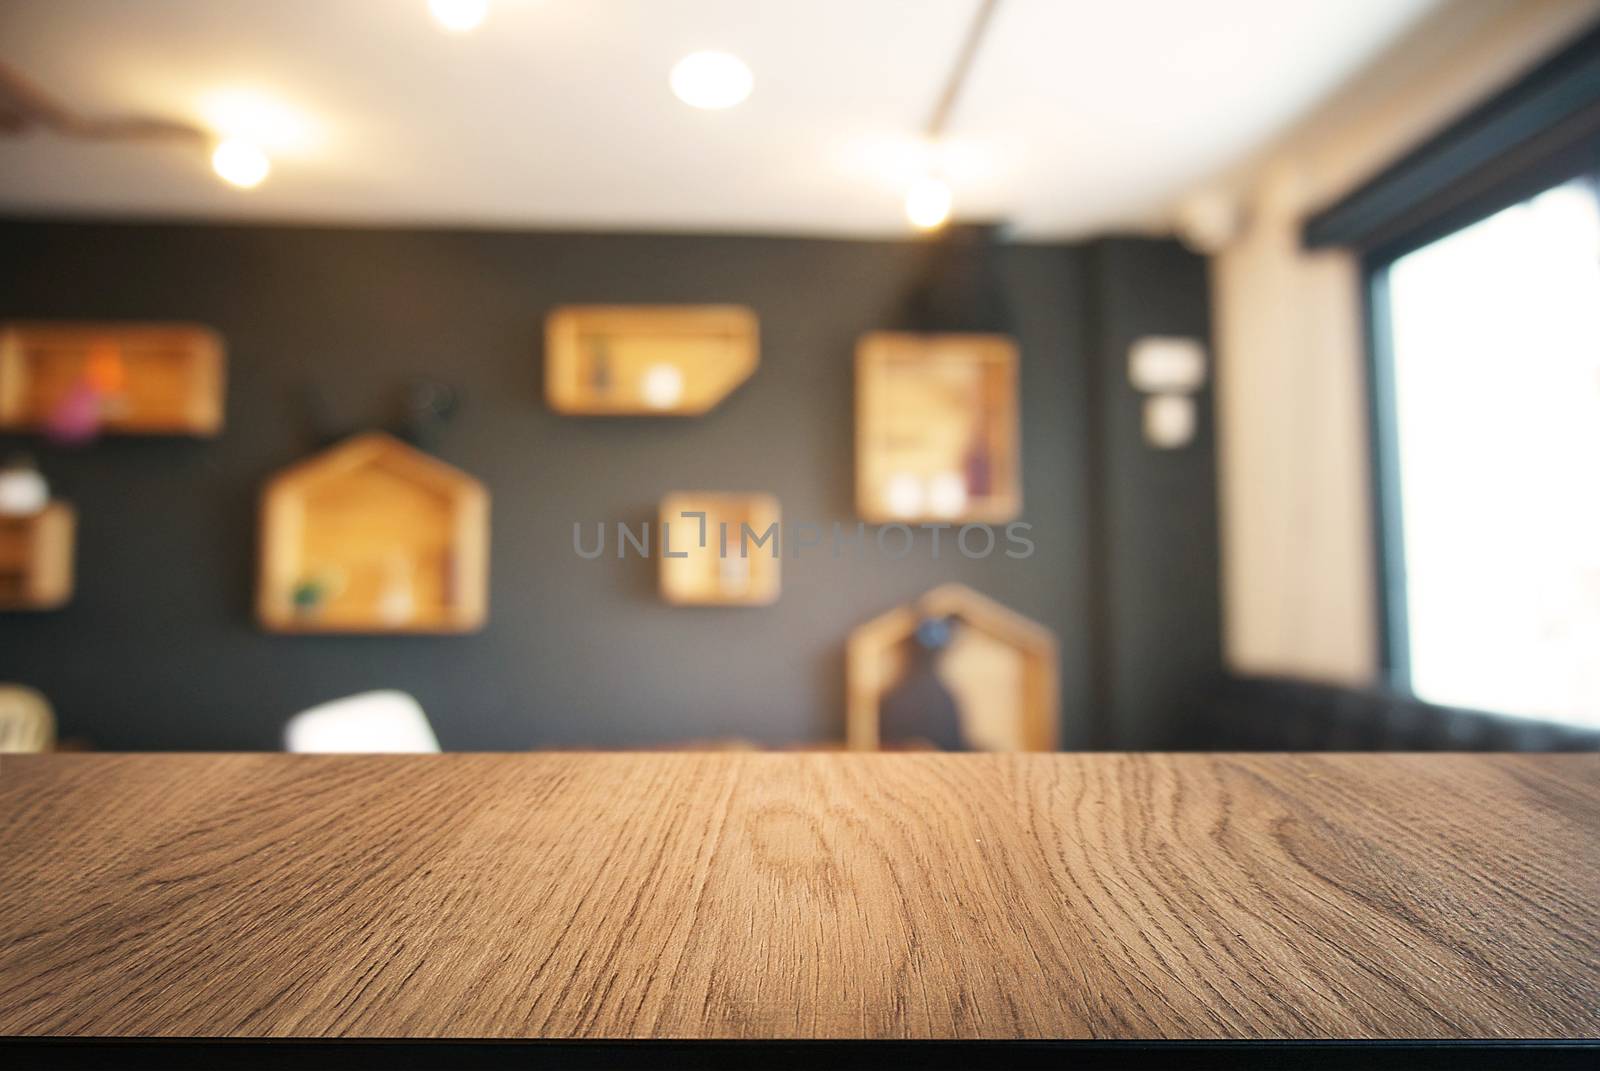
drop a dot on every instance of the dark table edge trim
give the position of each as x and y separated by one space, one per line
308 1054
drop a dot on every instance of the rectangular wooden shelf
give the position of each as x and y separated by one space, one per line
373 536
647 360
937 436
36 554
165 379
717 574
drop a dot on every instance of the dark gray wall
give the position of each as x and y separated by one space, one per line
158 648
1153 535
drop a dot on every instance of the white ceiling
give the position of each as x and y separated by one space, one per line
1080 115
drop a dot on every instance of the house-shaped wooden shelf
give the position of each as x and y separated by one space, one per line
937 428
372 536
1000 668
36 559
730 569
647 360
154 379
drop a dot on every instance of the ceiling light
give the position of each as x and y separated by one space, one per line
711 80
240 163
459 16
260 118
928 203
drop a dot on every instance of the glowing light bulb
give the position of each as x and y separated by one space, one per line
904 495
459 16
711 80
240 163
928 203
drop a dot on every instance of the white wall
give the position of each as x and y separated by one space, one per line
1299 592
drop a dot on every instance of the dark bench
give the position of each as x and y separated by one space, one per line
1274 714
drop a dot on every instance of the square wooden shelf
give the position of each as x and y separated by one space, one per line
647 360
937 437
373 536
1001 668
728 570
36 558
164 379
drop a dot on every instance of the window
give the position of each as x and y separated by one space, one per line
1488 384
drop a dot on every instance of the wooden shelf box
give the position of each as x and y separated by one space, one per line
644 360
1001 668
163 379
937 428
373 536
36 559
718 574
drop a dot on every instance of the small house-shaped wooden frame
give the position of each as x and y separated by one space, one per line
373 536
1001 668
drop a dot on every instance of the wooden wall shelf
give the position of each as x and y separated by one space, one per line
373 536
647 360
710 576
1000 667
36 559
937 428
165 379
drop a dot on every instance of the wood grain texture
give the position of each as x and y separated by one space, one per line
763 895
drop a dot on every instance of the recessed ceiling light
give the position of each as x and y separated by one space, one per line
239 163
928 203
711 80
459 16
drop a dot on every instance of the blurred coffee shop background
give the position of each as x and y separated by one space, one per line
1276 326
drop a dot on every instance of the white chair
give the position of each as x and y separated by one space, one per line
26 722
373 722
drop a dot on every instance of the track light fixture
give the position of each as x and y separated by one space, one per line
25 107
929 200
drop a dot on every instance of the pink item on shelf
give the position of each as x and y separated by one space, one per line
76 418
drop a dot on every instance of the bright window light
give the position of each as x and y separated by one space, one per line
1496 344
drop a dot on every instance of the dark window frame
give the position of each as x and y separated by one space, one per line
1383 416
1539 133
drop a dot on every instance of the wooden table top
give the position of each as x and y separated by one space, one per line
784 895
